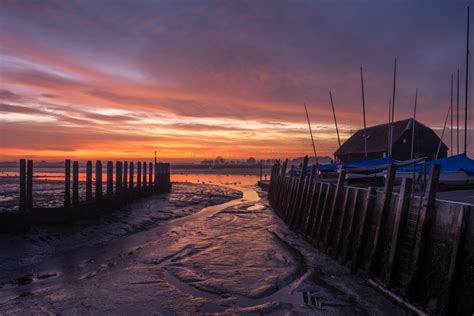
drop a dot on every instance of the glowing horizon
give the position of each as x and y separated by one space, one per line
195 81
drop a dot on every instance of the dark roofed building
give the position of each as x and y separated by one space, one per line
426 142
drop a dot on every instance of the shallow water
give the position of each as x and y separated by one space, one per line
232 255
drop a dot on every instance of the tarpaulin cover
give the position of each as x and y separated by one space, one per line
364 163
449 164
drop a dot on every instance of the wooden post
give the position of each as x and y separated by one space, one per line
139 176
361 232
125 177
401 217
459 240
150 175
75 183
340 230
324 218
312 208
261 169
380 227
110 179
424 225
347 247
29 184
144 175
67 183
118 178
335 211
156 176
89 180
98 180
322 195
131 179
22 205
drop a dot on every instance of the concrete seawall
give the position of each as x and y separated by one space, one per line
418 249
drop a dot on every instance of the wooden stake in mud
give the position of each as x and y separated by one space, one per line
156 176
22 184
144 175
118 178
75 183
89 181
130 186
139 175
125 177
110 179
98 180
29 185
67 184
150 176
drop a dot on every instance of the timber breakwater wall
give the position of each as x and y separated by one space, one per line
418 250
124 183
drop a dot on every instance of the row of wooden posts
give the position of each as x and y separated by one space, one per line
152 179
390 240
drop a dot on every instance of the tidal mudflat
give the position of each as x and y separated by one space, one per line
203 248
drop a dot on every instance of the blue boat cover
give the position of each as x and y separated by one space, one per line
449 164
366 163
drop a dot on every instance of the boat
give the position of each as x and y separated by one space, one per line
456 171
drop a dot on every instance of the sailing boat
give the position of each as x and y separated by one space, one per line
456 170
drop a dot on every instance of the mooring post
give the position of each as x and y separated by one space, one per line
125 177
139 176
144 175
118 178
401 216
29 185
424 226
75 183
98 180
89 180
67 183
261 170
150 176
110 179
22 184
131 179
156 176
383 211
335 212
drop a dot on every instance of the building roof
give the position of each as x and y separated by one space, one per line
377 137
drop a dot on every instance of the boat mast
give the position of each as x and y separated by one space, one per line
442 134
413 126
389 125
457 114
311 133
452 115
363 110
335 121
467 84
393 105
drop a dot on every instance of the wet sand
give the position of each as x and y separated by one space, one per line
200 249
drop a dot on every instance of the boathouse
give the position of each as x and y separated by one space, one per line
425 145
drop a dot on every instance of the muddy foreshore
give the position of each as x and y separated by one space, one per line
200 249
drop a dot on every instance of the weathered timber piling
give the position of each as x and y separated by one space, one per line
418 248
98 180
75 183
131 179
139 175
118 178
89 181
144 175
125 177
22 205
67 183
110 179
148 181
29 184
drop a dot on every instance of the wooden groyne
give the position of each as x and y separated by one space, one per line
130 183
417 249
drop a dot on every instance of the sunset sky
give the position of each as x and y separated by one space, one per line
195 79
